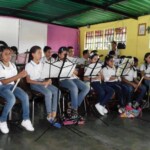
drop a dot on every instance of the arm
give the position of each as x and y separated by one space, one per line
129 82
22 74
45 83
96 78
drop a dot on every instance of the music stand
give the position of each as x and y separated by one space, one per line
58 70
124 67
92 70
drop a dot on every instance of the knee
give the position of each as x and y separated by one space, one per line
129 89
86 88
143 88
12 100
48 94
73 89
111 91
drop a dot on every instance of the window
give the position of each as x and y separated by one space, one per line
121 35
99 39
89 43
108 38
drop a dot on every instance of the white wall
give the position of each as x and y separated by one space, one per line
9 30
22 33
30 34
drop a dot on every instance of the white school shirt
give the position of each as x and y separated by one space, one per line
44 60
132 74
82 61
8 72
108 72
34 70
146 71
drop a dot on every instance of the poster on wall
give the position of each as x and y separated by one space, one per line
142 29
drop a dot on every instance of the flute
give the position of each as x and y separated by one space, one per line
139 84
16 85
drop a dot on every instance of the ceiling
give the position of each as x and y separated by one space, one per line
74 13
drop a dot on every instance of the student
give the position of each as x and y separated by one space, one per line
14 54
55 56
47 55
109 73
104 92
85 59
34 70
70 51
131 82
9 72
145 69
78 89
114 51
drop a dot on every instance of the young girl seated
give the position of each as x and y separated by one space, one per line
34 70
131 82
9 72
104 92
145 70
78 89
111 80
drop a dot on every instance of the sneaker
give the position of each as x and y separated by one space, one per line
54 123
100 108
27 125
50 120
121 110
105 110
129 108
127 114
4 128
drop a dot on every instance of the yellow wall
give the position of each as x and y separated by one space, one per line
135 46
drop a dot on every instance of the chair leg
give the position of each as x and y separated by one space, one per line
33 110
85 108
59 105
10 115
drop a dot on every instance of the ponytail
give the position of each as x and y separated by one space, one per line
107 58
33 50
146 55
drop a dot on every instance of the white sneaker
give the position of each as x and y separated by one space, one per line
27 125
105 110
4 128
121 110
100 109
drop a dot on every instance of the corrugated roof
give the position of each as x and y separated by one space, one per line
74 13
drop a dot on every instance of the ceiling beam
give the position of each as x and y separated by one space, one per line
24 7
28 4
98 6
11 10
115 2
71 14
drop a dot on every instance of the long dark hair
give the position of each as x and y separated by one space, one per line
107 58
2 48
146 55
92 55
33 50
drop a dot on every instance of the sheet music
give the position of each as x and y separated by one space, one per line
95 71
124 67
52 70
